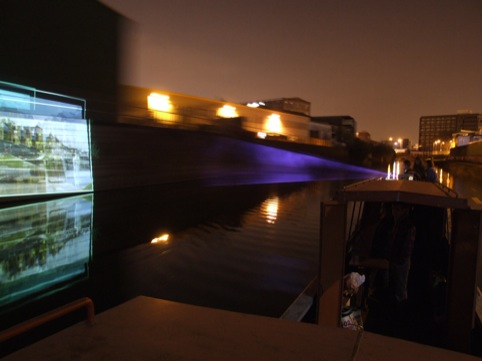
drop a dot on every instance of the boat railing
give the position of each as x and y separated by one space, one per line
50 316
448 191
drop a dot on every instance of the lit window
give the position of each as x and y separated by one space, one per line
261 135
227 111
273 124
159 102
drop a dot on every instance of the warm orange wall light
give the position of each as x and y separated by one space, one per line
159 102
273 124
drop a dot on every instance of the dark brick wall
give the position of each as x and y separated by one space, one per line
69 47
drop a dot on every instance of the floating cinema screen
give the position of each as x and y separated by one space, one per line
44 143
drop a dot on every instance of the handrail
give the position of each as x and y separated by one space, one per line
49 316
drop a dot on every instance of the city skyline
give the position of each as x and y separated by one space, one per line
386 64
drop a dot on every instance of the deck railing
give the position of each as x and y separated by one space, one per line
50 316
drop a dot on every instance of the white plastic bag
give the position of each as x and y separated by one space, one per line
353 281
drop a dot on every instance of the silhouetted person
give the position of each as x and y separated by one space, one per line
403 240
431 174
419 169
381 247
394 242
407 172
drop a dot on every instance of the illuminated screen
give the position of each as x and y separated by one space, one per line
44 143
44 246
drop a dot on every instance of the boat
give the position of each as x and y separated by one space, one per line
442 285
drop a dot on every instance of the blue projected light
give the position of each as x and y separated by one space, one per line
44 143
266 164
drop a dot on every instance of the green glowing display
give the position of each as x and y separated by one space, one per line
44 143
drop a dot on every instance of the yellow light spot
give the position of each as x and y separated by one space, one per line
161 239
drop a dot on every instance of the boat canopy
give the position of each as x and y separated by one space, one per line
406 191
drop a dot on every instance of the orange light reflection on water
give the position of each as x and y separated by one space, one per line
270 209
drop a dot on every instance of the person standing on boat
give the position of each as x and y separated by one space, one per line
431 174
394 241
408 173
380 248
403 239
419 169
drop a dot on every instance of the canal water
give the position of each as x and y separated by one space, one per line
248 248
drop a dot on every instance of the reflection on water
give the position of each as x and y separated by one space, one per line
269 209
253 250
393 170
466 187
445 178
43 246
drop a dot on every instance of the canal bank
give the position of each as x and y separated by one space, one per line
464 161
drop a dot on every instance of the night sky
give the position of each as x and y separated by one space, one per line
385 63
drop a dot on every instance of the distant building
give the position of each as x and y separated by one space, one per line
321 134
343 127
405 143
437 129
465 137
364 136
163 108
287 105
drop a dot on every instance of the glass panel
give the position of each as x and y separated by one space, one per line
44 143
44 246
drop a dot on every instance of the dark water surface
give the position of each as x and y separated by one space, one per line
246 248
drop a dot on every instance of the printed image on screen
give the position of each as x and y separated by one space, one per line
44 144
43 247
